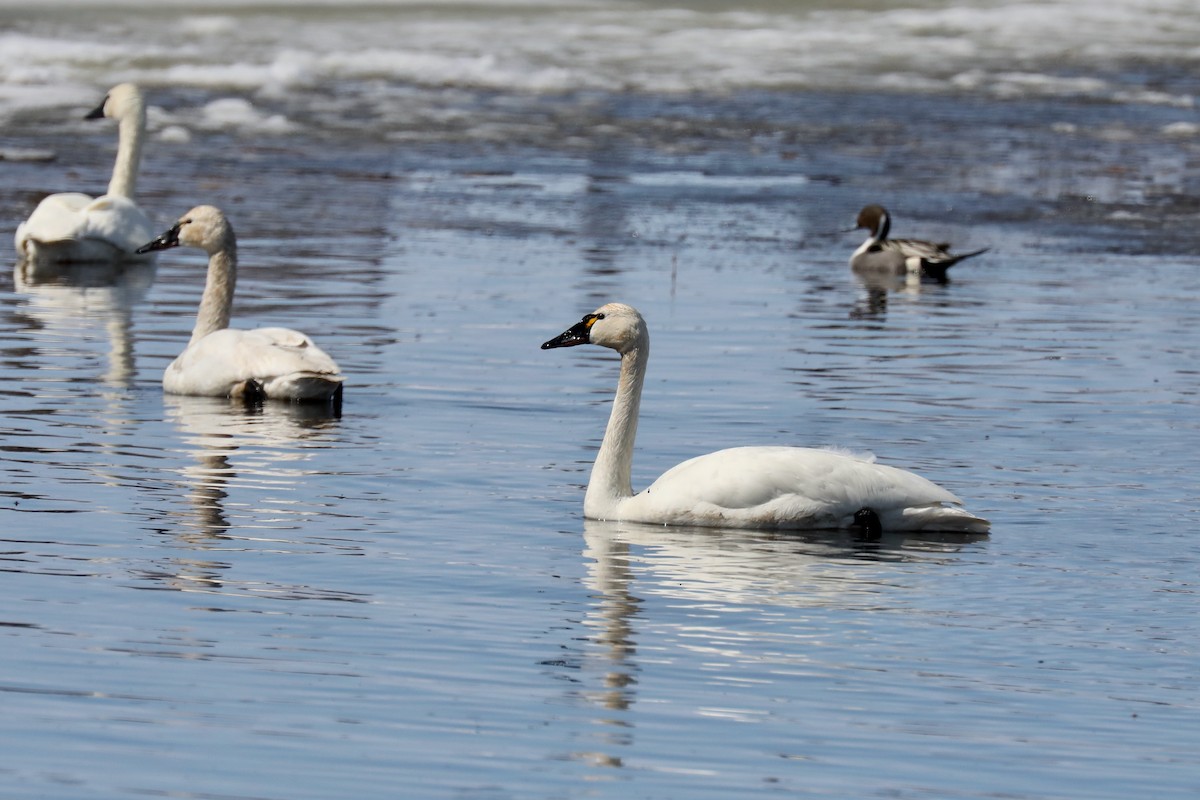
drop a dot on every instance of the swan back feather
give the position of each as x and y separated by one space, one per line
283 362
785 487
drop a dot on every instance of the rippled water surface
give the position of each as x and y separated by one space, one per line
205 601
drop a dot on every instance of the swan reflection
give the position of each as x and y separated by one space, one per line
244 489
67 304
738 567
270 442
686 580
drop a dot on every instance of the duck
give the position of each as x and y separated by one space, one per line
879 254
763 487
219 361
72 227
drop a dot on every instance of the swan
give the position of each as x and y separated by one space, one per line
73 227
900 256
745 487
220 361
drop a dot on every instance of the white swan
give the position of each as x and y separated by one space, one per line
73 227
745 487
220 361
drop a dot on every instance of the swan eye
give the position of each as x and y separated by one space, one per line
598 316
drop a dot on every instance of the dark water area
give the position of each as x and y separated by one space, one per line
205 601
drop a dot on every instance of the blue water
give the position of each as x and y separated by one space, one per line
204 601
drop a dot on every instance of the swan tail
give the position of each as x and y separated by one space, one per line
305 388
937 518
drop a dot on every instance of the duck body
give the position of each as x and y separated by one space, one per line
219 361
775 487
879 254
72 227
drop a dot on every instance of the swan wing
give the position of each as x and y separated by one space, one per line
285 363
116 220
792 487
56 218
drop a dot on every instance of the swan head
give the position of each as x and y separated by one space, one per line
204 227
613 325
123 100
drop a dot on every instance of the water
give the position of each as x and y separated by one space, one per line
203 601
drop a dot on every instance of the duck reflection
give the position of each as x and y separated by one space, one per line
872 303
67 301
629 566
260 450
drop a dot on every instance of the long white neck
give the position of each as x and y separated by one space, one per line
130 131
217 301
611 480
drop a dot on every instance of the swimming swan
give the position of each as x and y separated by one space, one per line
744 487
220 361
73 227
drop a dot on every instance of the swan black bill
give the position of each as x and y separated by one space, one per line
579 333
98 111
168 240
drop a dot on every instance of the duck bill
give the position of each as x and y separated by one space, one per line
576 334
168 240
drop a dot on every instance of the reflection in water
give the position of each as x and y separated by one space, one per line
65 300
722 570
269 434
872 303
262 449
602 221
613 610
